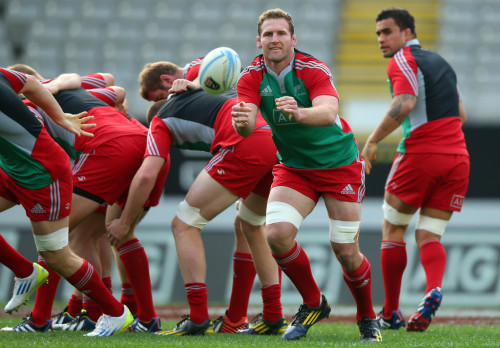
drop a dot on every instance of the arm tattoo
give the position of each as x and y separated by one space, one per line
397 106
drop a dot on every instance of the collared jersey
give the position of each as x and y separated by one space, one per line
299 146
433 125
192 69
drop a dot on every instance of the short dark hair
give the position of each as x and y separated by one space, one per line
153 109
275 13
403 18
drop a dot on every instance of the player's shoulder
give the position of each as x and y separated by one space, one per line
308 64
257 67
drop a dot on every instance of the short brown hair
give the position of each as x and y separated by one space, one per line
149 78
275 13
153 109
24 68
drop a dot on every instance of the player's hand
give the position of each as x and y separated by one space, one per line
77 123
369 154
241 115
289 106
182 85
117 231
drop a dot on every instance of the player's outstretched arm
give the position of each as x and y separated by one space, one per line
64 81
401 107
244 118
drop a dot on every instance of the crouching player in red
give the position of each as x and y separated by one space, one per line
40 179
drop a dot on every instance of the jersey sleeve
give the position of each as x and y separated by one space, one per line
248 87
402 72
16 79
318 80
107 95
159 139
192 69
92 81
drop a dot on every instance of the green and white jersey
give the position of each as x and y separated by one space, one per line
299 146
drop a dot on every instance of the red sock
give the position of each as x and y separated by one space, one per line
433 258
94 311
271 297
360 283
45 296
88 281
393 261
136 264
14 261
128 298
108 283
75 305
197 299
243 277
295 264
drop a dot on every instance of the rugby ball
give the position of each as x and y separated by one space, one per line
219 70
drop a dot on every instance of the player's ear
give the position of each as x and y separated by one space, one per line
257 41
166 78
294 40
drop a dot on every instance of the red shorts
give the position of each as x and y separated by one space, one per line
346 183
102 209
52 202
105 174
246 167
436 181
156 193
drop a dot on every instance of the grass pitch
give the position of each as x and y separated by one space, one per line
320 335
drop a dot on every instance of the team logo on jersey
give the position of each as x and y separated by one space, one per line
348 190
38 209
266 92
82 178
281 119
457 201
221 171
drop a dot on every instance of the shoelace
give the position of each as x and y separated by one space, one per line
17 284
300 315
184 318
365 327
255 320
102 322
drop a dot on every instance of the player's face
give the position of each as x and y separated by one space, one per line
390 37
276 42
158 94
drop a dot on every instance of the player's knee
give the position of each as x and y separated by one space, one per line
249 216
433 225
282 212
345 254
344 232
53 241
190 216
395 217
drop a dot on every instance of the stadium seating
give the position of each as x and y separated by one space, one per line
127 34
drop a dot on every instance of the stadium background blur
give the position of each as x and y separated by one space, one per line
119 37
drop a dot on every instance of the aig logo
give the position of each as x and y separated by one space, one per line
281 119
472 274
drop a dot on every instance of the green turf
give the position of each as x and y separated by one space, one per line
321 335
